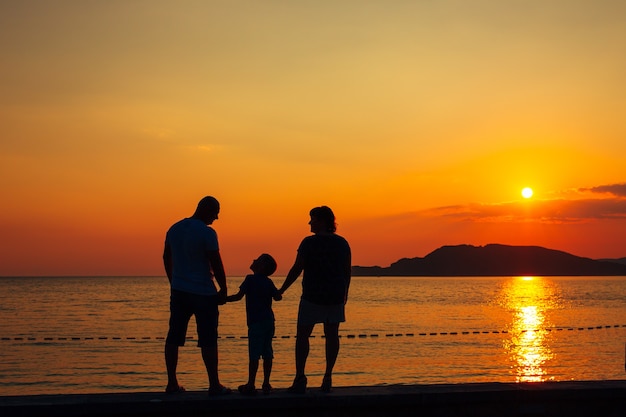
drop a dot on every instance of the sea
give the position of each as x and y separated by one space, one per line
61 335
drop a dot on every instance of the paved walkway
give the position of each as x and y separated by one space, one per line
571 399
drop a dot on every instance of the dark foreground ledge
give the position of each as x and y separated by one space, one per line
571 399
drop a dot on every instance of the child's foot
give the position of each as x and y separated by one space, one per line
247 389
267 389
174 389
219 390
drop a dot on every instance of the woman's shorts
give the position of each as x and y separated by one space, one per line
310 313
260 337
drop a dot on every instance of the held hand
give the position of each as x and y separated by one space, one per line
222 296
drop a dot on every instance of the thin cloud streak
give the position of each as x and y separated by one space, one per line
614 189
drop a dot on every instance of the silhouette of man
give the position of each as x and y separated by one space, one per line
192 259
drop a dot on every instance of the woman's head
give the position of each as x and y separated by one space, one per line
326 216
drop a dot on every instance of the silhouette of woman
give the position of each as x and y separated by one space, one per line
325 259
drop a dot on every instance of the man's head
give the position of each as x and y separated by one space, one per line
207 210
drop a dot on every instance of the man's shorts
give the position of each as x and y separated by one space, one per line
183 305
260 337
310 313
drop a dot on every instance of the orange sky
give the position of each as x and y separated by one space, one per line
418 122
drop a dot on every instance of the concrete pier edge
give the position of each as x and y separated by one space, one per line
571 399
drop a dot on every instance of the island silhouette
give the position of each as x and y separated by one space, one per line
497 260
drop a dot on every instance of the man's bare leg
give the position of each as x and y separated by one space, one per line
209 356
171 363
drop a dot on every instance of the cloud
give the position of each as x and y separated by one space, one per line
614 189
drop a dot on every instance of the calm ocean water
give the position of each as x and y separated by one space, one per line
93 335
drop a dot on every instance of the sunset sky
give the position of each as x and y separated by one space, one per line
418 122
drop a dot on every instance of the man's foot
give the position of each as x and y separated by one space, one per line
267 389
247 389
298 386
219 390
174 389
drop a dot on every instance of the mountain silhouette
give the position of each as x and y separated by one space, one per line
496 260
618 260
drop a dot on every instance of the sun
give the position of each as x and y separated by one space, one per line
527 192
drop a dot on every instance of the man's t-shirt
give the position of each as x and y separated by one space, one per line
189 241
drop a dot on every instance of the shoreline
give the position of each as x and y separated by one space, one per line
571 399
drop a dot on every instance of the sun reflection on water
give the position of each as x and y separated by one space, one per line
529 299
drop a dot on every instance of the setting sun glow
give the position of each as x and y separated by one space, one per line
527 192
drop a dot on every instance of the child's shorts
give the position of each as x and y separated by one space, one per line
260 335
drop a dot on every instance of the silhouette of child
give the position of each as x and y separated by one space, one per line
259 291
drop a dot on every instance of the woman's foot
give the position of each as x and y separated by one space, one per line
267 389
327 384
298 386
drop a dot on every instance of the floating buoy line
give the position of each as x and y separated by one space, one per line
348 336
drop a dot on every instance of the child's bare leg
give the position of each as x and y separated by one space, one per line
267 370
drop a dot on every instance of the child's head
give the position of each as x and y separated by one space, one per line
264 264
